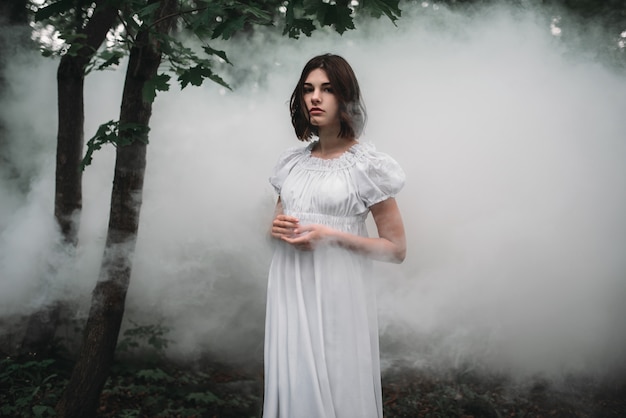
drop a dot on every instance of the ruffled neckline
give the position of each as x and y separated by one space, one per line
346 159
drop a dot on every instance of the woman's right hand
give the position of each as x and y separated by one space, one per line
284 226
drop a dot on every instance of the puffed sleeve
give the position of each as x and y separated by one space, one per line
286 161
379 176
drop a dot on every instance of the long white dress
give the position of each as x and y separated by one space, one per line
321 330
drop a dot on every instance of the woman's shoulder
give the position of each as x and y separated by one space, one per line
287 160
294 152
378 175
369 158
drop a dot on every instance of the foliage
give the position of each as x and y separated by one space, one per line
167 392
151 335
204 20
611 11
301 15
29 387
112 132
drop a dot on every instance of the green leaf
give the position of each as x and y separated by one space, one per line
290 13
136 389
23 402
110 57
159 82
339 16
112 132
148 10
52 9
130 413
210 51
204 398
217 79
261 15
298 27
104 59
194 76
154 375
8 410
228 27
75 40
388 7
129 132
106 133
40 410
49 378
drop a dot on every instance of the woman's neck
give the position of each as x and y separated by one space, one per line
332 145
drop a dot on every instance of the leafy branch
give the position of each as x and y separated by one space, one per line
112 132
301 15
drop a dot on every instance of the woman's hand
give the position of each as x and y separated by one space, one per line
307 237
287 228
284 226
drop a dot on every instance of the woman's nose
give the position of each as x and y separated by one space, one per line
315 97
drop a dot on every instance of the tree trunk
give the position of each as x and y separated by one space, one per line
42 324
70 134
15 12
81 396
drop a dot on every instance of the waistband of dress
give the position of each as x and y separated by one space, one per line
327 219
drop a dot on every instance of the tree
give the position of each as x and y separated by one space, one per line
107 309
148 31
91 31
71 114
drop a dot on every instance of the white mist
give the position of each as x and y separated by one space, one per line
514 148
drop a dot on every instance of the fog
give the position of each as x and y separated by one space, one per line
514 145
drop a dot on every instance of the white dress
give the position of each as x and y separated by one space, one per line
321 330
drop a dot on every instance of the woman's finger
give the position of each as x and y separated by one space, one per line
287 218
285 224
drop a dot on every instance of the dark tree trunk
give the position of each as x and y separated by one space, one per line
42 324
14 11
70 137
81 396
70 134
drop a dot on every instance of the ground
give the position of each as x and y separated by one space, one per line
30 386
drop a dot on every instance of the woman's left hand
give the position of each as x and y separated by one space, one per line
308 236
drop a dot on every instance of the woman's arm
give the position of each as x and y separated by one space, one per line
389 246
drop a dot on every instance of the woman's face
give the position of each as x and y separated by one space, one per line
320 100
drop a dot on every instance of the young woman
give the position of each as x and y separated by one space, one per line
321 342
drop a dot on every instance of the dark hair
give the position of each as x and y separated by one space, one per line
352 115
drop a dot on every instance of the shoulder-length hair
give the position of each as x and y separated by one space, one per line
352 114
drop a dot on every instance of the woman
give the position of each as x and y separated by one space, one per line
321 342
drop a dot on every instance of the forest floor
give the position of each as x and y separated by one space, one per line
30 387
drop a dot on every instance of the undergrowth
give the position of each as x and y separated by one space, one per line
29 388
144 383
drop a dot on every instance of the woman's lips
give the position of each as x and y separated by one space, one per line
316 111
